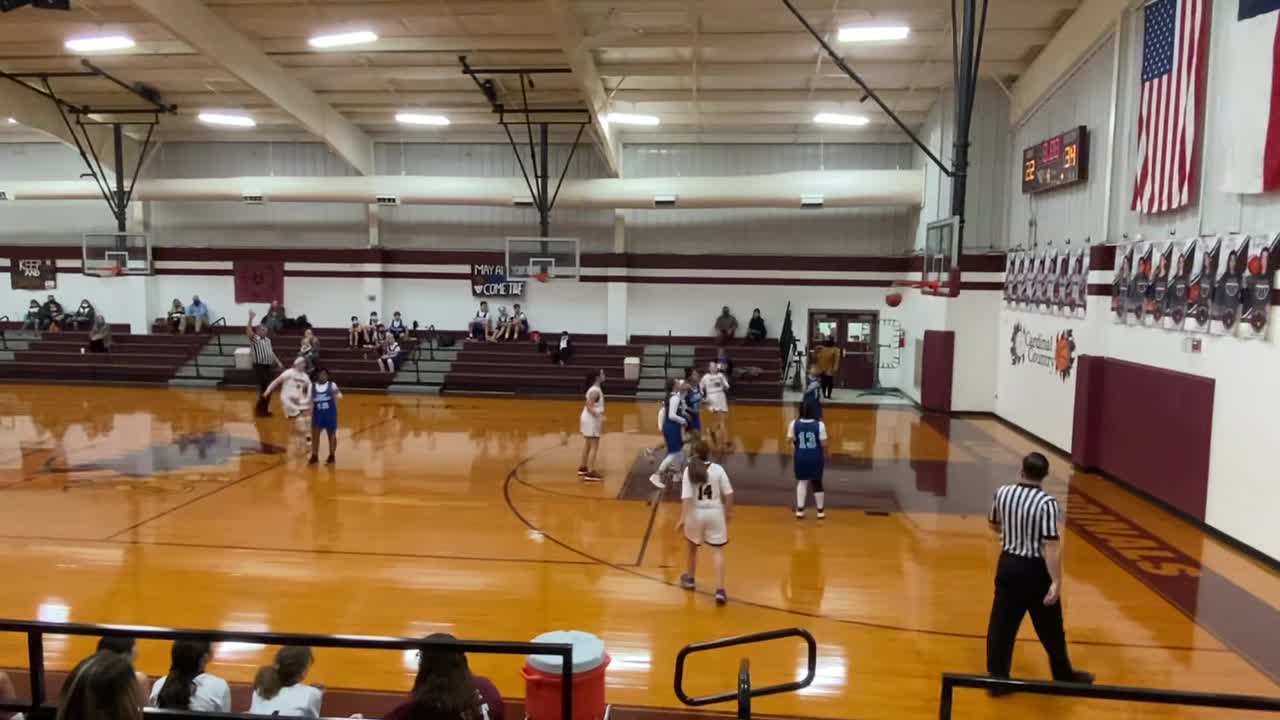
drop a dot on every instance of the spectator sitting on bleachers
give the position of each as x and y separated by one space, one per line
99 335
52 316
562 352
397 328
101 687
755 327
520 320
503 329
278 689
309 350
176 316
275 317
32 319
356 336
389 359
726 326
188 686
127 647
83 317
445 689
197 315
480 327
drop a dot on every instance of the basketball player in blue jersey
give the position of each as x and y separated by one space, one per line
808 437
671 424
693 407
813 393
324 414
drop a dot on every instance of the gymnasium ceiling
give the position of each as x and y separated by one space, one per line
711 70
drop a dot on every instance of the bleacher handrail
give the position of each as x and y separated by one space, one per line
36 630
951 681
744 692
217 335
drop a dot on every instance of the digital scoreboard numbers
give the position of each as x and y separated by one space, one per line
1060 160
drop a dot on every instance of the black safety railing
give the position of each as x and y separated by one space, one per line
217 336
666 364
38 709
951 681
744 692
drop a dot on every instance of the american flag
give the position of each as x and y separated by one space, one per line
1173 49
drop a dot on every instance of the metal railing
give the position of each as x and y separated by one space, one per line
37 709
217 336
744 692
4 342
951 681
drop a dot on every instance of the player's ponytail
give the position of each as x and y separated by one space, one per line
291 665
186 662
698 468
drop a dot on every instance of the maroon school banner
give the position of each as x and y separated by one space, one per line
259 281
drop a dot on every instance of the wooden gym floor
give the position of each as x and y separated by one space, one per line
170 507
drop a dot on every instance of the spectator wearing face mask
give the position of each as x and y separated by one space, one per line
176 316
83 317
197 315
356 336
52 316
397 328
32 319
275 317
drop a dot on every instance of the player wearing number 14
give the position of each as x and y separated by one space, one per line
808 436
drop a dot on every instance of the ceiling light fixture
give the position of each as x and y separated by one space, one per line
359 37
227 119
99 43
838 119
412 118
13 121
630 119
873 33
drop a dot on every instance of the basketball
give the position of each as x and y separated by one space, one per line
1255 265
893 299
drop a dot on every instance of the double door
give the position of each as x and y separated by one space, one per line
854 333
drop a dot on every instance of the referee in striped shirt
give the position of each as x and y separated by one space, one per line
264 358
1029 574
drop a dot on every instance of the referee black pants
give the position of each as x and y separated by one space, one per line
262 373
1021 584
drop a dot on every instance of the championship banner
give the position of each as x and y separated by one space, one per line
258 281
492 281
1120 285
1224 309
1140 284
1078 288
1153 303
1176 297
1041 288
1010 263
1055 282
1204 274
27 274
1260 268
1020 280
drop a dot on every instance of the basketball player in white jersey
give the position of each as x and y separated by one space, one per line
295 395
715 399
591 423
707 499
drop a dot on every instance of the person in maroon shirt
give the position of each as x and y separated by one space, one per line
445 689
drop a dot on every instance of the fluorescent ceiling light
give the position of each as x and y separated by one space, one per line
359 37
629 119
411 118
13 121
873 33
838 119
99 43
222 118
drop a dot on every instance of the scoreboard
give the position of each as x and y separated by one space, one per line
1060 160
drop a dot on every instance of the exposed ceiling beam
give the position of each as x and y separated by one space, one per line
35 113
203 29
778 41
1086 29
786 70
583 65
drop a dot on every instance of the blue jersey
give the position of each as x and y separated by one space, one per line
813 397
324 406
692 406
807 437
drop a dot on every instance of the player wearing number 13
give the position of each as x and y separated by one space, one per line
808 436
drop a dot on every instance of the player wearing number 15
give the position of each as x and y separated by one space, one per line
808 437
707 499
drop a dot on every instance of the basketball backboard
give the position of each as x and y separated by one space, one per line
116 254
529 257
941 271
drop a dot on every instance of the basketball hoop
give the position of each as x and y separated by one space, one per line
893 298
107 272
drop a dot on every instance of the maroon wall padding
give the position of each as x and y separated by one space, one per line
935 377
1145 426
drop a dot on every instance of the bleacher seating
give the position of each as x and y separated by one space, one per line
348 367
518 367
767 385
61 356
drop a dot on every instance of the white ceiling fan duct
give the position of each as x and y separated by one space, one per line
839 188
